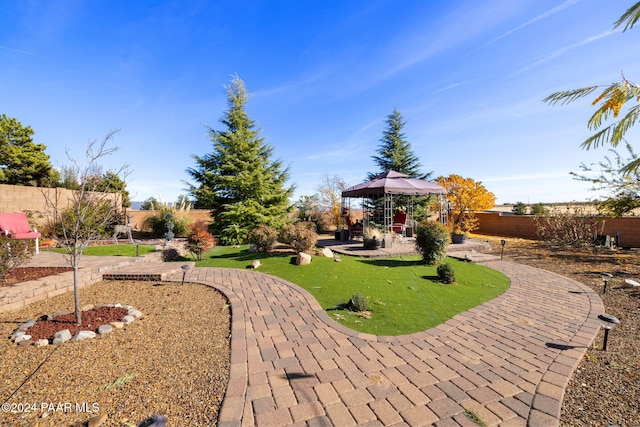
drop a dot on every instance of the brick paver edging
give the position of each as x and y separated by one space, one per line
506 362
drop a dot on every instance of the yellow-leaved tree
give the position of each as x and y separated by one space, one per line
465 197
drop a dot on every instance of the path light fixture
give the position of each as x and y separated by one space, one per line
606 277
184 271
137 242
502 243
609 321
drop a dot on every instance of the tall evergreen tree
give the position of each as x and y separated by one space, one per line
23 162
238 181
394 151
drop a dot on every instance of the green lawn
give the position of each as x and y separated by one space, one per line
114 250
404 295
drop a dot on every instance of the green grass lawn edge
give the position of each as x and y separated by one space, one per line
114 250
404 295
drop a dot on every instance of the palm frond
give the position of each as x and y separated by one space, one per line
631 168
614 133
629 18
568 96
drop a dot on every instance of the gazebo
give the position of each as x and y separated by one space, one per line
381 195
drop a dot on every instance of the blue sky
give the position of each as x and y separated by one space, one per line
468 76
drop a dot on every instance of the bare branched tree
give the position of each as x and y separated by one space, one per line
89 212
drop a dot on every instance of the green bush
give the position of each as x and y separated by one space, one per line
263 237
157 223
301 236
431 241
446 274
358 302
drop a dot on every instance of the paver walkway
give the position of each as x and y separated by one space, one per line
506 362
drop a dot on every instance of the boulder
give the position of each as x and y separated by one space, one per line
303 259
326 252
255 264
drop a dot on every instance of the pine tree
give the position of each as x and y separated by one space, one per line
23 162
238 181
394 151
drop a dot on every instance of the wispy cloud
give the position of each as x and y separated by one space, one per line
451 86
24 52
540 17
539 176
558 52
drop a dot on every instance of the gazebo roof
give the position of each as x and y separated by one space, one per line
392 182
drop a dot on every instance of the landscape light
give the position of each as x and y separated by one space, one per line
184 271
609 322
606 277
502 243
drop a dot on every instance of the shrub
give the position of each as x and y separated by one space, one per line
519 209
199 239
301 236
446 273
157 223
12 253
571 227
264 237
431 241
358 303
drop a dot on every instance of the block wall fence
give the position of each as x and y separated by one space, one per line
523 226
17 198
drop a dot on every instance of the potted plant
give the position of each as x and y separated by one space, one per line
458 234
372 237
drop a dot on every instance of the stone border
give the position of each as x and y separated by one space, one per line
21 337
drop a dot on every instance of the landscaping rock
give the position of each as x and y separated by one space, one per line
21 338
26 325
303 259
326 252
255 264
41 343
62 336
88 307
128 319
105 329
135 313
25 342
17 334
337 259
117 325
83 335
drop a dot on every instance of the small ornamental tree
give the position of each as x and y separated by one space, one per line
465 197
432 239
88 212
199 239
